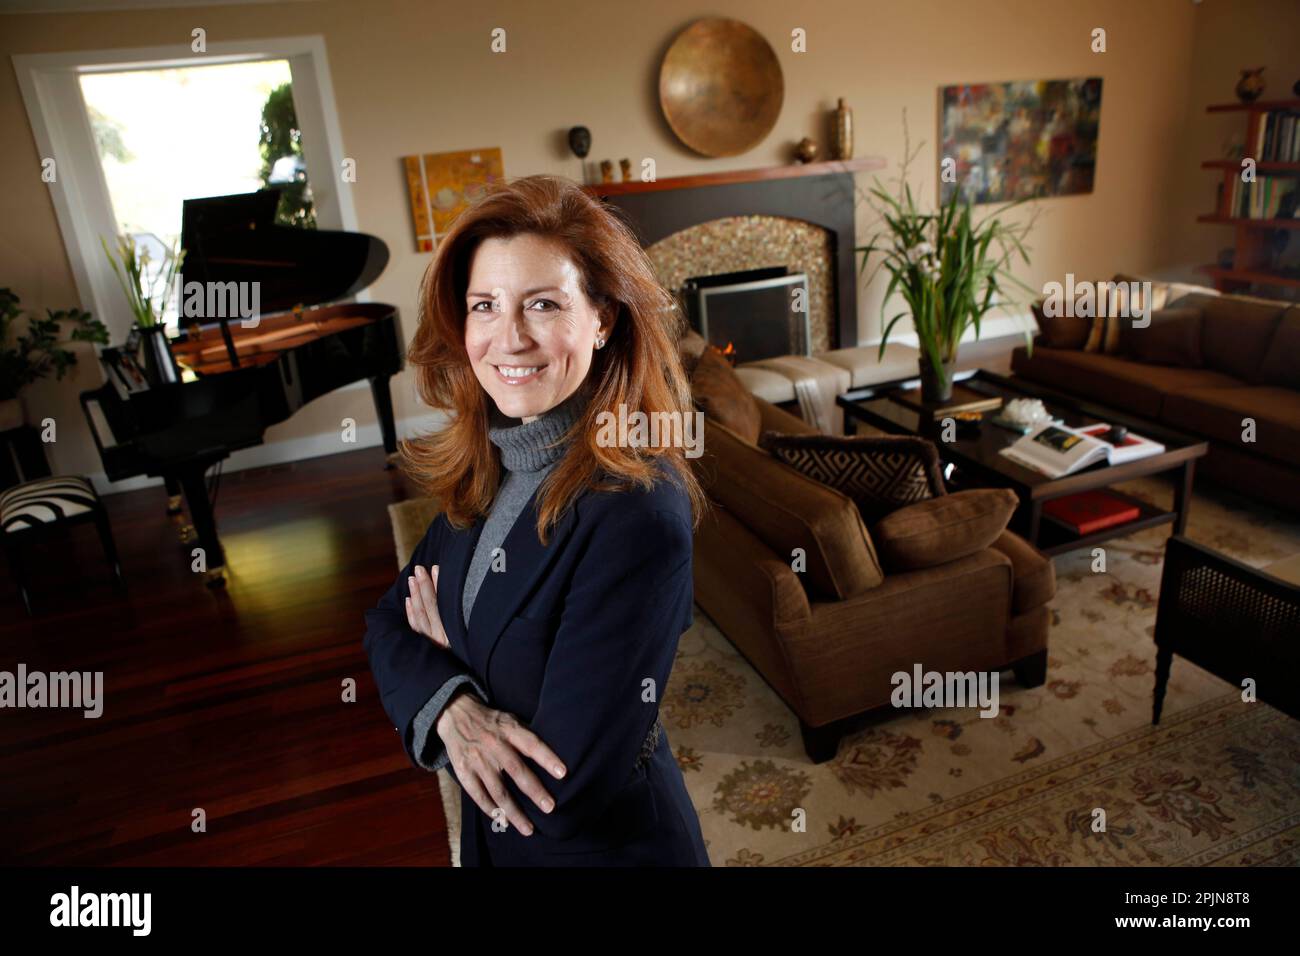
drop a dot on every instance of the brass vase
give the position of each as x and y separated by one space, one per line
842 134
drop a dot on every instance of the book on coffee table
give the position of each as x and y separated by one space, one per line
1091 511
1055 449
1131 448
964 399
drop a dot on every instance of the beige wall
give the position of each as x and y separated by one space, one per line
419 76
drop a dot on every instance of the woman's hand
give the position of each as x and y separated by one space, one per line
481 743
422 606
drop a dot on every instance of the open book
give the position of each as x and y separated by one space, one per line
1055 449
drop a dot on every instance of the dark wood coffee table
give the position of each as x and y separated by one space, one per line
977 462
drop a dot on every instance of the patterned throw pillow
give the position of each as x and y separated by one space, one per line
880 474
1117 303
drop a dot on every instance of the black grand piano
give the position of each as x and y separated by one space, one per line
247 375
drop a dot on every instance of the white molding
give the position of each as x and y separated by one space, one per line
61 128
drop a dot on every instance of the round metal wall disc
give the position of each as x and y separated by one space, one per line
721 87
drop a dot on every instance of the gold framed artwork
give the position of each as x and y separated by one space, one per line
441 185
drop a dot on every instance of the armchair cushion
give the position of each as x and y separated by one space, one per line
879 474
722 396
943 529
1034 573
785 510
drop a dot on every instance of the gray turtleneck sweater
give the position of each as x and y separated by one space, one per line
529 450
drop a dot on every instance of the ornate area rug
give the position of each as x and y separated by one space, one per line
1216 783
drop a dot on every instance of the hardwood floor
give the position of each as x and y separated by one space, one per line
230 701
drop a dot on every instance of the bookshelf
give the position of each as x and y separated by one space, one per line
1253 228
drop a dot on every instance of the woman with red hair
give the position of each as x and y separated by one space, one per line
535 665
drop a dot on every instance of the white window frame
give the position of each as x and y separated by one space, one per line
51 91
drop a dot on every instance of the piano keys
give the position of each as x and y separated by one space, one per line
242 377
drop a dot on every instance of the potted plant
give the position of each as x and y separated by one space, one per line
147 297
950 269
37 351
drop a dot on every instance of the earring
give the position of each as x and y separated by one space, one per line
600 342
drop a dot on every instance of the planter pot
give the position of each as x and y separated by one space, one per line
934 388
11 414
160 366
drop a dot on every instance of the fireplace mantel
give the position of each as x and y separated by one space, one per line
791 171
823 194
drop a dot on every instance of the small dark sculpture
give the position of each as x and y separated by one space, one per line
580 141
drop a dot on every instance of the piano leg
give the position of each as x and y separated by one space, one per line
193 481
384 410
176 511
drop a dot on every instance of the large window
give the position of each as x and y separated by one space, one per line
167 135
134 133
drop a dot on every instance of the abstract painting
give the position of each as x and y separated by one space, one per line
441 185
1010 140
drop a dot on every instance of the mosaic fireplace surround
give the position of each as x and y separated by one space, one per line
804 223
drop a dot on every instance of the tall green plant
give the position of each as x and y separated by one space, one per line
41 348
950 268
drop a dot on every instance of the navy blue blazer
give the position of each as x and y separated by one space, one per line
576 639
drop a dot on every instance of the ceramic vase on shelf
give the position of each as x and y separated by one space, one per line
1251 85
842 133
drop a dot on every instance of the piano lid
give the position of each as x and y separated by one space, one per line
235 239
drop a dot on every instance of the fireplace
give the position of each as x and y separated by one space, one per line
799 217
751 314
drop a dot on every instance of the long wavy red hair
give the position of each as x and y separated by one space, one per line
639 367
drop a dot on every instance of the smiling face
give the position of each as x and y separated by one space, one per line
530 331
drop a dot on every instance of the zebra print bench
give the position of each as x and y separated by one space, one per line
35 507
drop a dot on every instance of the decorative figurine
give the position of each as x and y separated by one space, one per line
625 167
606 171
1251 85
580 141
805 151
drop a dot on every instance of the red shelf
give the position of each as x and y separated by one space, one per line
1257 223
1259 106
789 171
1246 275
1264 167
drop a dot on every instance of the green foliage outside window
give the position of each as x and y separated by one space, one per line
281 138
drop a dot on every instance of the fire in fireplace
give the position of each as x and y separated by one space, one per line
756 313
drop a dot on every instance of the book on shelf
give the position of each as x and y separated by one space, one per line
1276 140
1090 511
1264 198
1055 449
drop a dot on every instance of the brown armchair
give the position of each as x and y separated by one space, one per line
829 638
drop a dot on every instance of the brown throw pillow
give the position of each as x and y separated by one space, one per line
1120 302
1172 338
880 474
691 346
722 396
1061 331
943 529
